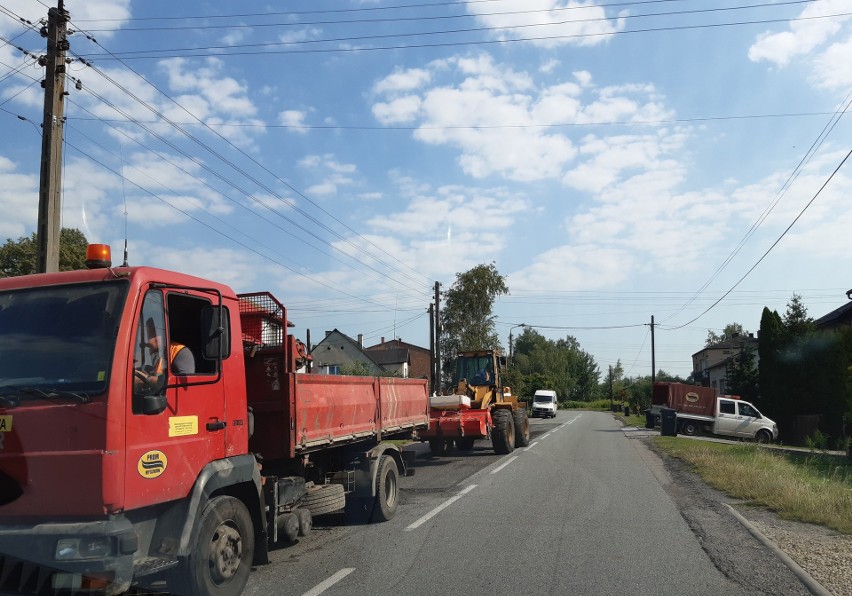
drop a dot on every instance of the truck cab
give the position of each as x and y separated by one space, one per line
737 418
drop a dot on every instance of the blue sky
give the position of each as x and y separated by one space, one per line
615 160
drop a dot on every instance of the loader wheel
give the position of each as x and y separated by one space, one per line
465 443
221 562
324 498
522 428
503 433
387 489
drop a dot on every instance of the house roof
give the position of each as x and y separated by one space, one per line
838 315
394 344
736 342
338 336
390 356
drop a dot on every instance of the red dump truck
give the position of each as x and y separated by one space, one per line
117 471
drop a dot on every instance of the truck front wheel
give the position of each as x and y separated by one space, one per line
763 436
221 563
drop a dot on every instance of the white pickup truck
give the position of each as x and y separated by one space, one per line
698 408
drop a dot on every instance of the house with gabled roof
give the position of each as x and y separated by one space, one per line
337 350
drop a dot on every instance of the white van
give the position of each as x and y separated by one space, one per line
544 403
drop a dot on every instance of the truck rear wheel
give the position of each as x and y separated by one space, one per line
522 428
324 498
690 428
222 562
439 446
387 489
503 433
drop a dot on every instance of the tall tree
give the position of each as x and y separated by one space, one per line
467 317
742 375
19 257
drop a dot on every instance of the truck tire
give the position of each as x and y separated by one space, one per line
522 428
763 436
306 521
289 527
690 428
439 446
503 433
221 563
324 498
465 443
387 489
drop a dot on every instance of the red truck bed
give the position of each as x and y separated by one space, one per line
309 412
687 399
296 413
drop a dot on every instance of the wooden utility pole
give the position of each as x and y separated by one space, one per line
50 184
653 357
436 352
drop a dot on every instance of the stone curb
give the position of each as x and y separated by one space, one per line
810 583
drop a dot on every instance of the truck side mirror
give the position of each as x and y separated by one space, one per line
215 329
153 404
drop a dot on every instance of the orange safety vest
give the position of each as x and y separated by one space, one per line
174 348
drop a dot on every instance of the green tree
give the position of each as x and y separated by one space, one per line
20 257
560 365
731 330
742 375
467 316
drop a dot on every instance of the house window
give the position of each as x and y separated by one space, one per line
332 369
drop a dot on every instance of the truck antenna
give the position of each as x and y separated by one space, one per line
124 195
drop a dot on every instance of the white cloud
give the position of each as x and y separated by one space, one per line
336 174
403 80
804 34
832 68
294 119
552 22
501 120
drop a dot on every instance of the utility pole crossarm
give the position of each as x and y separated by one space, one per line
50 183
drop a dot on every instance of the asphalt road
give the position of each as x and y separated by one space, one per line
585 509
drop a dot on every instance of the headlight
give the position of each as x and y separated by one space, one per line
72 549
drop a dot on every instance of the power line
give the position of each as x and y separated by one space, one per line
221 51
472 15
289 203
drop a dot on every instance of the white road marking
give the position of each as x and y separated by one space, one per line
323 586
533 444
440 508
504 464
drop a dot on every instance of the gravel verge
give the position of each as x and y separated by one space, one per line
824 554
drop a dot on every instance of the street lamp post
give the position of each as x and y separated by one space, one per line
511 353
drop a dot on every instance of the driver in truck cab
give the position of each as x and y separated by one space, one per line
180 358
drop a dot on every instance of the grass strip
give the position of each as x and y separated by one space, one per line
809 487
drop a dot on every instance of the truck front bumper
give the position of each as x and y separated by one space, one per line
68 557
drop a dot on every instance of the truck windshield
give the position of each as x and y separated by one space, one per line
542 399
57 342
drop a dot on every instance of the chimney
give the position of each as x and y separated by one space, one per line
361 341
383 340
327 333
